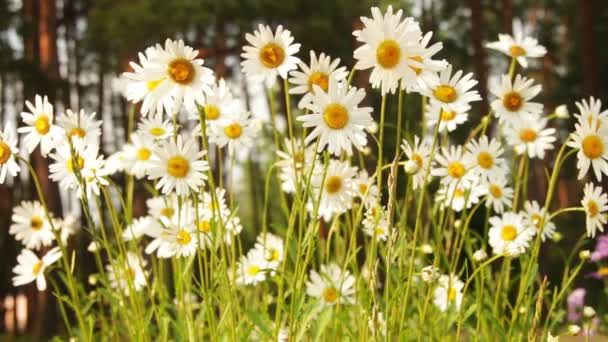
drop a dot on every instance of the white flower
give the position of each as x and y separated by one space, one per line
338 189
592 146
180 238
30 225
331 285
8 149
80 127
337 119
530 135
179 165
538 220
454 167
236 131
69 225
294 163
252 268
138 155
514 99
509 234
272 248
375 223
448 119
591 112
131 276
562 112
487 158
448 293
419 153
320 71
500 195
30 267
519 46
457 196
595 203
219 102
367 188
138 228
39 127
269 54
163 206
429 274
155 127
449 92
480 255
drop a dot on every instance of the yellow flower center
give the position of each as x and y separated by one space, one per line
181 71
592 208
298 157
335 116
79 166
537 220
204 226
447 115
273 255
157 131
417 59
388 54
183 237
130 273
456 170
233 131
42 124
509 233
495 191
591 118
333 184
272 55
153 84
452 294
37 268
512 101
445 93
319 79
602 271
253 270
418 159
516 51
178 166
363 188
593 146
78 132
36 223
485 160
458 193
143 154
330 295
527 135
212 112
5 152
167 212
378 231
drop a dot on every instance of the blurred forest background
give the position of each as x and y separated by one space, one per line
73 51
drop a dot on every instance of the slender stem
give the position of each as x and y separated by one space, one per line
381 146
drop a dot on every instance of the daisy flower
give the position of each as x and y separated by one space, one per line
268 54
252 268
338 189
179 166
487 158
155 127
367 188
530 135
30 268
514 99
375 223
449 92
163 206
499 194
180 240
272 248
116 162
537 219
320 71
448 292
448 119
591 112
219 102
293 163
89 165
39 127
80 126
331 285
30 225
8 150
394 49
138 228
337 119
519 46
592 146
138 155
509 234
236 131
596 204
454 168
419 153
458 197
132 274
68 225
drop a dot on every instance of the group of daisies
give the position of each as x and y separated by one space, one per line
170 80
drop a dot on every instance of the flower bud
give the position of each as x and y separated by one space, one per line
457 224
562 112
429 274
557 237
411 167
485 120
588 312
373 128
93 247
480 255
584 254
574 329
426 249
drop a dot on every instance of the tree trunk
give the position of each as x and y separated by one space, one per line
589 54
507 16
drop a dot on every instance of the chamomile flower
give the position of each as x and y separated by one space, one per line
179 166
331 285
419 153
138 155
180 239
448 119
272 248
155 127
530 135
31 268
595 203
337 120
337 189
293 164
138 228
236 131
269 54
448 293
457 196
487 158
219 102
116 162
30 225
320 71
519 46
592 146
367 188
450 92
89 165
453 167
8 150
132 274
499 194
514 100
68 225
509 234
163 206
252 268
39 127
80 126
538 220
375 223
591 112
